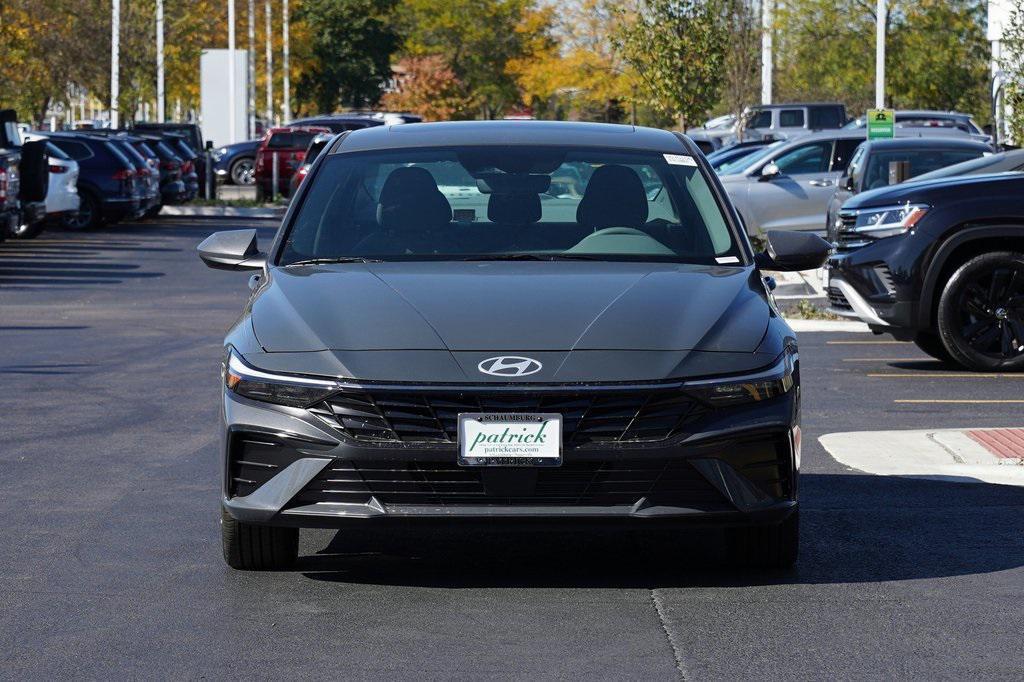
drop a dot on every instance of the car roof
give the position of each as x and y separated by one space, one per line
465 133
949 142
797 104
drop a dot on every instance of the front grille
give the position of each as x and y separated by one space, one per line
606 418
255 458
836 299
848 239
572 484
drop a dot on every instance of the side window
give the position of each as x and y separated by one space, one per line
763 119
807 158
791 118
76 150
281 141
843 153
825 118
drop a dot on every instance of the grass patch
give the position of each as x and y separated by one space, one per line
805 310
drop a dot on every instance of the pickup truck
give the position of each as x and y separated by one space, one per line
24 180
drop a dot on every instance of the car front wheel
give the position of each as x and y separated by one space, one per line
250 547
981 313
243 171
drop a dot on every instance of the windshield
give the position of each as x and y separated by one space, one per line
743 163
996 162
881 165
510 202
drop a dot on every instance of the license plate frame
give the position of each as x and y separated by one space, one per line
506 452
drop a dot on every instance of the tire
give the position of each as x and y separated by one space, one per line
981 313
88 216
249 547
772 546
933 346
243 171
26 231
153 211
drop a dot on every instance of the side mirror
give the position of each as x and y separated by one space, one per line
793 251
232 250
848 184
769 173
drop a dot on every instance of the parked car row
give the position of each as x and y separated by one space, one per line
791 184
236 163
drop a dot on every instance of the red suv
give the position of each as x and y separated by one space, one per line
289 144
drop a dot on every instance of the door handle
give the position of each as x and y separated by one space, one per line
821 183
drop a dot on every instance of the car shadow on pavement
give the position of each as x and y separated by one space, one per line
855 528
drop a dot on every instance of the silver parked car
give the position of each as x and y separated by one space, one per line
787 185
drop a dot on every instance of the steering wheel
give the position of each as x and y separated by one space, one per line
619 230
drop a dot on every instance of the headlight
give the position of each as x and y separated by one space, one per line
752 388
888 221
281 389
218 154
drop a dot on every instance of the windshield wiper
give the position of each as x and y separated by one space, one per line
339 259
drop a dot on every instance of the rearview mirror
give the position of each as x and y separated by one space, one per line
232 250
793 251
769 172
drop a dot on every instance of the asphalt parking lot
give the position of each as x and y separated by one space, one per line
109 359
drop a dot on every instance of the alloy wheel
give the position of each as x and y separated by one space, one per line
243 172
991 311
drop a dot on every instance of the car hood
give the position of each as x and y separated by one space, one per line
510 306
940 188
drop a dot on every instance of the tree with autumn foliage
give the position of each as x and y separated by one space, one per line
678 48
428 86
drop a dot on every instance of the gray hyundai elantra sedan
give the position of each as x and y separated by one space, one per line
510 320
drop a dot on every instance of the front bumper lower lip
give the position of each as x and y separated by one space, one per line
862 310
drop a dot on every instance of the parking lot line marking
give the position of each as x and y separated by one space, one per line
867 343
961 402
944 375
918 358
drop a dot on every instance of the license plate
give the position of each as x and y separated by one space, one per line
510 439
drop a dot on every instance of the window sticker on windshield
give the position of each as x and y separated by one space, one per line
727 259
680 160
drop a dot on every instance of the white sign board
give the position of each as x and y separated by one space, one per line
215 100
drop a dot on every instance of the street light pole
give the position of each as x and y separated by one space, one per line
160 108
231 72
270 69
880 22
767 65
115 56
250 107
287 83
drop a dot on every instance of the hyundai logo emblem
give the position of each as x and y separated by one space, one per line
509 366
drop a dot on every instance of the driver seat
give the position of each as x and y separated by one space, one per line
615 197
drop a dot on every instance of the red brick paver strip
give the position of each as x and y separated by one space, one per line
1005 443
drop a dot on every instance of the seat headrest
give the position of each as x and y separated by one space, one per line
410 201
614 197
515 209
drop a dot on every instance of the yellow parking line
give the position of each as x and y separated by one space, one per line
944 375
964 402
867 343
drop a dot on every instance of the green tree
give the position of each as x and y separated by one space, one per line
825 51
478 39
349 53
741 85
1012 65
678 48
940 57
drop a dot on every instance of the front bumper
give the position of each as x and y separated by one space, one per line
286 466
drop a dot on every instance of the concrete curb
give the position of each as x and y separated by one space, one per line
943 454
223 212
804 326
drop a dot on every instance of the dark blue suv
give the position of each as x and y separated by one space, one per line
106 181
